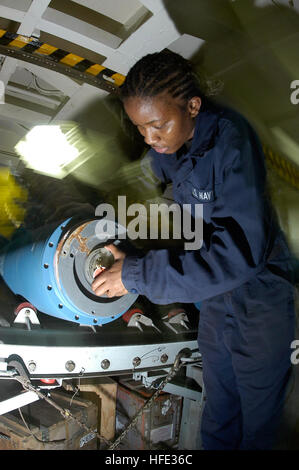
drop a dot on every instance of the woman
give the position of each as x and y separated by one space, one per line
240 274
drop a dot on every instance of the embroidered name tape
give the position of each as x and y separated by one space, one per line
204 196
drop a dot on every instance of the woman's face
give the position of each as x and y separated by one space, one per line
166 123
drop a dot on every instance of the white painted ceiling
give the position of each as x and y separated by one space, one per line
250 46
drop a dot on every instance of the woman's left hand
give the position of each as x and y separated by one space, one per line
109 281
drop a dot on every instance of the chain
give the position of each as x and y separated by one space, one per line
63 411
173 371
68 415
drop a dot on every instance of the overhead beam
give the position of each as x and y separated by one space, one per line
33 16
143 41
95 74
28 105
12 14
28 22
59 24
118 10
154 35
54 18
76 37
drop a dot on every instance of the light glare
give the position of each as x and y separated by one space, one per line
47 150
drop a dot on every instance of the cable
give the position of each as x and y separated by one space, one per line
44 91
77 389
59 441
34 84
29 430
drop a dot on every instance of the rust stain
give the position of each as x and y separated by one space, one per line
75 235
65 244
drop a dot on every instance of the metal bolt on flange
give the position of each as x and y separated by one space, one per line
164 358
105 364
136 361
31 366
70 366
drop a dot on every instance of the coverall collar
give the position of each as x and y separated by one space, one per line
205 127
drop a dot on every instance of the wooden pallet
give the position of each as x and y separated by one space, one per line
49 430
102 392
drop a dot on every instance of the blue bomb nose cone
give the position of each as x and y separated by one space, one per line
55 274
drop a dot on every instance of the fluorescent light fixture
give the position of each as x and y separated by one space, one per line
47 149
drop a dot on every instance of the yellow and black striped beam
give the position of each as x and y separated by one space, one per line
30 49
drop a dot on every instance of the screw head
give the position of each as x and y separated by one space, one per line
105 364
164 358
32 366
136 361
70 366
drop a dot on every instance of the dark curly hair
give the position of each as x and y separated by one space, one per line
160 72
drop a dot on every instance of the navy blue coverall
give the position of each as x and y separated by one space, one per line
241 276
